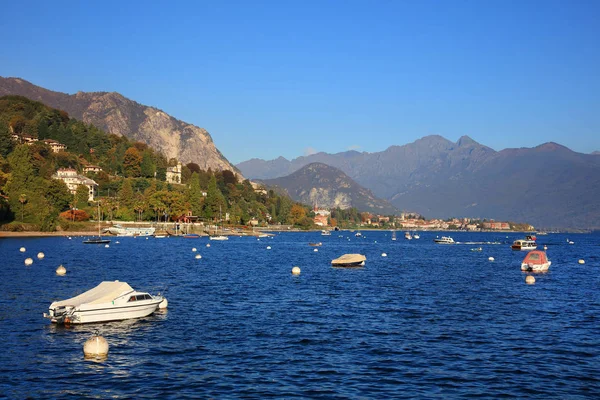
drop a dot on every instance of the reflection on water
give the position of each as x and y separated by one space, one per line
425 321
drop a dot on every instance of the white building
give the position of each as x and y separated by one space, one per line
73 180
174 174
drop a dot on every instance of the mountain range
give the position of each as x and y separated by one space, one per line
327 187
116 114
548 186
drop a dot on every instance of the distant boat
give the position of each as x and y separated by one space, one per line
393 235
97 240
358 234
130 231
325 233
416 236
524 244
536 261
191 236
349 260
315 244
407 236
218 237
444 240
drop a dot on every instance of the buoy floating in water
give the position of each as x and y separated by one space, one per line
268 247
545 247
41 255
61 270
316 250
571 242
107 246
28 261
96 346
296 270
22 249
163 304
383 255
491 259
207 244
581 261
194 249
198 256
530 280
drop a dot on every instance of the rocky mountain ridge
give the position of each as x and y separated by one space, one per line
547 186
325 186
116 114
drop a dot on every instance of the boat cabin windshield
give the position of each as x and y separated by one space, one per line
140 297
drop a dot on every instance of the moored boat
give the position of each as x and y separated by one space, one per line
407 236
218 237
444 240
536 261
109 301
119 230
349 260
524 244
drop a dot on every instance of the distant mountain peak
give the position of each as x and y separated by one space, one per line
465 140
551 146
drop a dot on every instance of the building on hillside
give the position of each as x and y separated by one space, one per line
26 139
174 174
73 180
92 168
321 216
496 225
54 145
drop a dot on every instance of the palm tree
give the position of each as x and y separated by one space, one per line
22 200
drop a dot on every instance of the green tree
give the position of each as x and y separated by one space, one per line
214 199
148 167
7 143
82 196
126 196
58 195
132 163
195 195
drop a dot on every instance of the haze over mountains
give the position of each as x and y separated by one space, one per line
121 116
547 186
328 187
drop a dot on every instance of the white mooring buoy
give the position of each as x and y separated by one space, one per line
194 249
207 244
198 256
96 346
581 261
383 255
41 255
268 247
316 250
530 280
61 270
296 271
491 259
107 246
28 261
22 249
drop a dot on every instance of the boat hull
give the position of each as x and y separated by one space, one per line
107 312
536 267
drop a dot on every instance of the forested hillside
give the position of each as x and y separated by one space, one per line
131 185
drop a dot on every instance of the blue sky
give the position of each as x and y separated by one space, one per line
286 78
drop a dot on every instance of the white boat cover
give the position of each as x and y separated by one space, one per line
105 292
349 259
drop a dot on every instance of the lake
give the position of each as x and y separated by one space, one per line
427 321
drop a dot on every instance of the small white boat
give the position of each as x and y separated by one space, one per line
393 235
219 237
349 260
358 234
536 261
444 240
109 301
524 244
325 233
416 236
407 236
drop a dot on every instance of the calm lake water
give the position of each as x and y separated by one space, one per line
427 321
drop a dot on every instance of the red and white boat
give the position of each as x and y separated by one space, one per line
536 261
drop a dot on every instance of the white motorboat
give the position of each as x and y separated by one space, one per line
416 236
109 301
358 234
218 237
444 240
325 233
536 261
524 244
393 235
119 230
407 236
